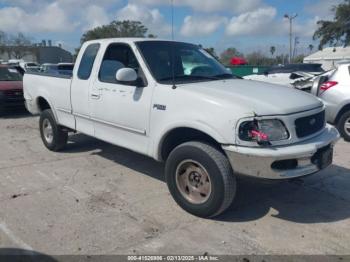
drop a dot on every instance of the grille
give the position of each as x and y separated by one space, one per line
309 125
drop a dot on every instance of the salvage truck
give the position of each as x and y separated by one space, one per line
174 102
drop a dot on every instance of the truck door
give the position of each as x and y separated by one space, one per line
121 111
81 87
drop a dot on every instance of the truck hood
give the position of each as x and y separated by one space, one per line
10 85
258 97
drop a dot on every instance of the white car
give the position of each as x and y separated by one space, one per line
60 68
29 66
334 89
207 125
291 75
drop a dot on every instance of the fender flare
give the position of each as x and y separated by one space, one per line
50 104
196 125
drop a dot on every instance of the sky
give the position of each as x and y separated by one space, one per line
248 25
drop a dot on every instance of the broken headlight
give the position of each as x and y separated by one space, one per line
263 131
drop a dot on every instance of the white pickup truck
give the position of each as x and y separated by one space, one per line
174 102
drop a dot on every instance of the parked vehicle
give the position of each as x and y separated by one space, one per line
11 88
60 69
204 123
334 89
289 75
29 66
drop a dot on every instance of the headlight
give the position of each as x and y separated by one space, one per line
263 131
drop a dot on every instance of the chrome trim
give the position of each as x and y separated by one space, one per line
82 116
64 110
130 129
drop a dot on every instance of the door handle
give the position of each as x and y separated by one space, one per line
95 96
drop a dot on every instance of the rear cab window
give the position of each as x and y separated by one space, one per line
87 61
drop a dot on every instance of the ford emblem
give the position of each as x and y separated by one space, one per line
312 121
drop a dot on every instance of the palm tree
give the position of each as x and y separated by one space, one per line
272 50
311 47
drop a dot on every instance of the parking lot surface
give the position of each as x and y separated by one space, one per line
95 198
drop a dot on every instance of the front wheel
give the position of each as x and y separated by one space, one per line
344 126
200 179
52 135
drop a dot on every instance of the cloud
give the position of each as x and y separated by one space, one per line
151 18
95 16
307 28
234 6
51 18
257 22
201 25
322 8
64 16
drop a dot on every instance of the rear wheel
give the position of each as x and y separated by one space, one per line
344 125
52 135
200 179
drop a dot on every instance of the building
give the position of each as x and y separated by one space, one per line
53 54
39 54
329 57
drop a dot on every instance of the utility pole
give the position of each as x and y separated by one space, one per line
296 43
290 18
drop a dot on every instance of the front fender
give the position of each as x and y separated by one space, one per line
197 125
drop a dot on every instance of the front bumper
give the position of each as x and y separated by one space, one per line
261 162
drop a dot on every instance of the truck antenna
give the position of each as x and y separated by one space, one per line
172 19
172 44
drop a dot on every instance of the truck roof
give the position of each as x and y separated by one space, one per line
127 40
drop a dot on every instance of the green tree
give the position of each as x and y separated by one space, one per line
337 31
20 45
211 50
311 47
299 59
2 42
15 45
259 59
125 28
272 50
281 59
226 56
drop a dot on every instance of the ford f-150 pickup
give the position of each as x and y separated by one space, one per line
174 102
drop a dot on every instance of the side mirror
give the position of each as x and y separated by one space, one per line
126 75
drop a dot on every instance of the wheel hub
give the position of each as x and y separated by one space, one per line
347 126
193 182
47 131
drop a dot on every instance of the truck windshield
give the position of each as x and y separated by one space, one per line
9 74
181 62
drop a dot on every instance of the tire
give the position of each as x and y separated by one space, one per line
343 126
211 165
55 139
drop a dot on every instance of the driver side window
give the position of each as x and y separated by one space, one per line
117 56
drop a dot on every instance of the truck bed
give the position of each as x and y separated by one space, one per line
56 90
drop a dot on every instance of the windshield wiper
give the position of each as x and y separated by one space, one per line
189 77
225 76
